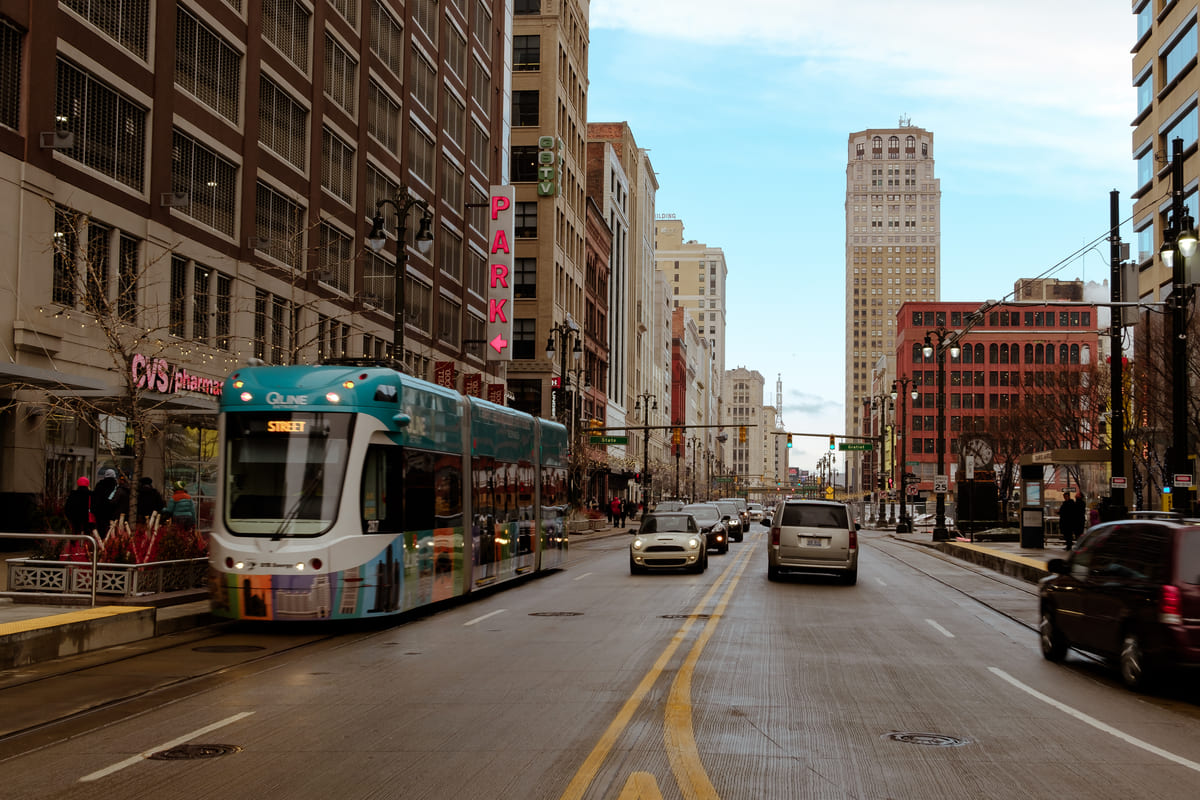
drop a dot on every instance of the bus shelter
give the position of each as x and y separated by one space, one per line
1045 475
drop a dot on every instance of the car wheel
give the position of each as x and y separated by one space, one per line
772 572
1054 643
850 577
1135 672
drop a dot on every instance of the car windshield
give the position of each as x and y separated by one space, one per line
669 523
705 515
813 516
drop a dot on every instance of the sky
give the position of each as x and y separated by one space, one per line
747 116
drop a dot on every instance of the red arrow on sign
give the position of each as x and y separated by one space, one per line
499 343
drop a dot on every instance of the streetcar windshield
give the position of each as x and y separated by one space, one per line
284 471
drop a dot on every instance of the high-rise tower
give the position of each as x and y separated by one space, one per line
893 248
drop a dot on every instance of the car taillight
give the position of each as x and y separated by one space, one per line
775 536
853 540
1169 610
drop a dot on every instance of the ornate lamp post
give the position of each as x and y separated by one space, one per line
564 331
693 441
645 403
1178 248
881 403
402 204
940 533
903 525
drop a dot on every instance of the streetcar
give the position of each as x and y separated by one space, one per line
350 490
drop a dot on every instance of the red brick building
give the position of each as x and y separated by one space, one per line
1020 381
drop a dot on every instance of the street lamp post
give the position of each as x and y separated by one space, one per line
645 403
692 442
1179 246
564 330
940 533
902 524
402 204
880 402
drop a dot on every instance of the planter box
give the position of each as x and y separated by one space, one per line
125 580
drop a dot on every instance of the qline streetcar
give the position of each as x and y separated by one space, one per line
353 490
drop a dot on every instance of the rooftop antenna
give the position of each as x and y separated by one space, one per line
905 121
779 401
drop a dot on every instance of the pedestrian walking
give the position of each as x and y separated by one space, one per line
630 508
180 509
614 508
78 508
1070 519
120 499
103 500
149 499
621 512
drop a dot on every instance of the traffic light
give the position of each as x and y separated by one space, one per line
789 440
832 444
742 434
637 477
891 484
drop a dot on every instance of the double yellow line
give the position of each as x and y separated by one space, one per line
678 734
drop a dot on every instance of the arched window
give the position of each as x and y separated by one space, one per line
993 353
1064 354
1014 350
1074 354
968 354
877 146
1049 354
918 356
1029 354
910 144
1003 354
1039 355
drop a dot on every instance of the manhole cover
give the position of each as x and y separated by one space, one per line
686 616
229 648
927 739
556 614
189 751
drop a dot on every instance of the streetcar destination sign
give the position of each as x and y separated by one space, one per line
855 446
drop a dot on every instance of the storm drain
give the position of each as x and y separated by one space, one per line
186 752
229 648
556 614
686 616
926 739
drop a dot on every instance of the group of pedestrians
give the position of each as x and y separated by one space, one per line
619 510
1074 517
90 509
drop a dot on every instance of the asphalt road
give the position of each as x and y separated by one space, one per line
923 681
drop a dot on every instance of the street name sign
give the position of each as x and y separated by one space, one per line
609 439
855 446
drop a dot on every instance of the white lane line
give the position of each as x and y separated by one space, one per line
142 756
880 581
581 577
940 629
1095 723
485 616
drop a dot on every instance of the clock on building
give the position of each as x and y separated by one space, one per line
981 448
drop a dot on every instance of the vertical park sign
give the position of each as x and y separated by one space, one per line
500 268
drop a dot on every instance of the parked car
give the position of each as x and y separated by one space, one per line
708 517
732 518
812 536
667 540
1130 591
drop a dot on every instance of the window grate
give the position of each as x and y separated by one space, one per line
387 40
383 117
341 72
11 43
424 82
337 168
335 258
425 14
455 114
126 21
421 155
285 24
278 222
209 180
282 123
348 9
201 281
109 128
207 66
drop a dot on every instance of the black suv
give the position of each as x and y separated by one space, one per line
1130 591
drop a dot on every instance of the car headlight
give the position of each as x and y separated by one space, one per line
693 543
637 544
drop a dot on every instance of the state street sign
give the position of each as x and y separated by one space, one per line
609 439
855 446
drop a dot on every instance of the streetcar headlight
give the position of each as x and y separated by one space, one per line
300 566
239 565
333 397
246 397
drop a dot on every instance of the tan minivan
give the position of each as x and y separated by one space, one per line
812 536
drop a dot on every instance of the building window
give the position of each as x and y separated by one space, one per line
1181 55
421 159
109 128
282 123
341 75
525 107
200 295
11 45
525 277
483 21
383 117
128 24
177 312
128 255
348 9
451 245
206 66
279 226
418 304
335 259
452 184
456 53
387 39
525 220
523 165
524 339
424 82
454 118
480 148
208 181
425 14
528 7
337 166
481 85
285 24
379 282
527 53
449 321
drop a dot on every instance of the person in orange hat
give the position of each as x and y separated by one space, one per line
78 508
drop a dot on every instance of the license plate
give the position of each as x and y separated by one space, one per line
814 542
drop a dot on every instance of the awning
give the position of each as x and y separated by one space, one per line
21 376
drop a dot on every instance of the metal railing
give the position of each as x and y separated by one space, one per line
71 536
